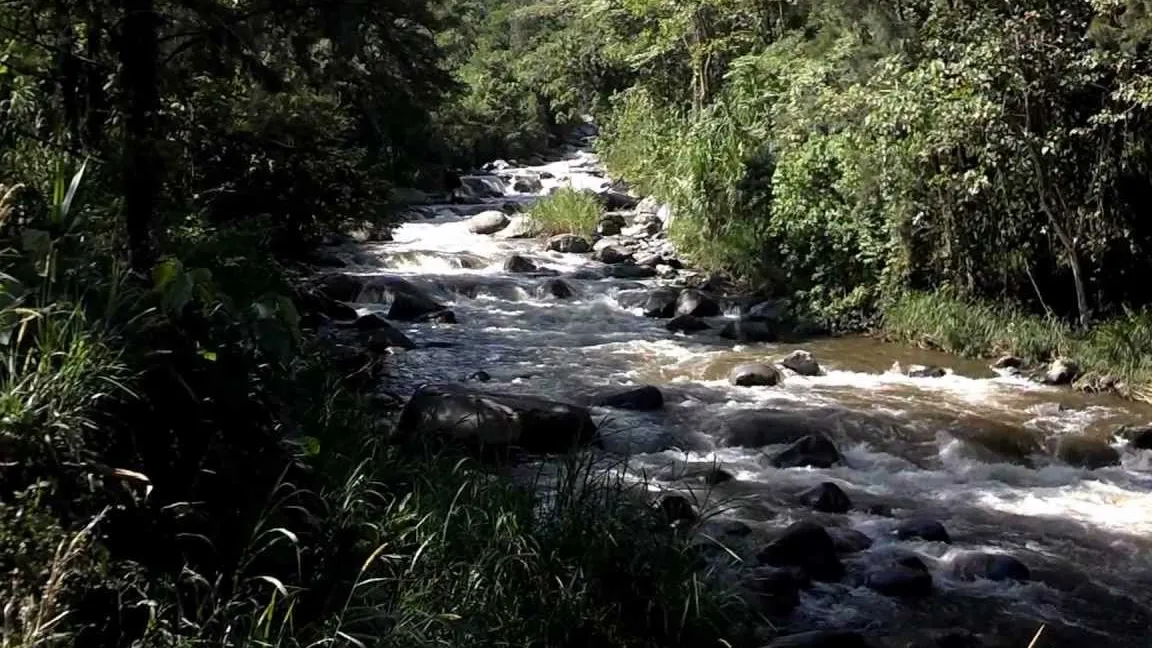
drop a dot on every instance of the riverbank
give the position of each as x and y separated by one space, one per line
1113 356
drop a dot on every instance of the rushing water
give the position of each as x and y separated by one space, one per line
1085 534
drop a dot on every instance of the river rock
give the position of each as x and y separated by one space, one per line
827 497
519 227
617 200
1139 438
641 398
527 184
488 222
693 302
921 529
802 362
478 187
815 450
906 577
1008 362
517 264
993 443
755 374
808 546
1085 452
749 331
555 289
687 324
479 376
611 224
660 303
1062 371
990 566
609 254
569 244
919 371
405 301
774 591
848 541
821 639
313 300
756 429
487 420
628 271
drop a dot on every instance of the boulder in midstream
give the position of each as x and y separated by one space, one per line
569 244
990 566
483 420
488 222
815 450
808 546
641 398
1085 451
697 303
755 374
802 362
826 497
686 324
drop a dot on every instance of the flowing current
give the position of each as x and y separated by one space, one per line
1085 535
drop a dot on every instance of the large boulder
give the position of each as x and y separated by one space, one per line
478 187
486 420
1139 438
756 429
520 265
609 254
687 324
802 362
611 224
827 497
528 183
744 330
996 442
1085 452
569 244
849 541
989 566
488 222
821 639
815 450
642 398
694 302
404 300
755 374
808 546
519 227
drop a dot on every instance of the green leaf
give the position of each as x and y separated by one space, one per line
165 272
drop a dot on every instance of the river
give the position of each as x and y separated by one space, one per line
1085 535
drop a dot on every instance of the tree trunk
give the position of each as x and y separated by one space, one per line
138 81
96 100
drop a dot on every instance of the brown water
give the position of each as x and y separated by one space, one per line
1085 534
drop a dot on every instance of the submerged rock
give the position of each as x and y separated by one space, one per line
802 362
1138 438
480 376
687 324
992 442
569 244
642 398
990 566
921 529
808 546
405 301
488 222
676 509
1008 362
849 540
814 450
1086 452
919 371
755 374
906 577
485 420
827 497
660 303
773 590
628 271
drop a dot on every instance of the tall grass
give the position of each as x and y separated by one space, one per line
1116 353
567 211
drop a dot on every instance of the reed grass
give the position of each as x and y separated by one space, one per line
567 211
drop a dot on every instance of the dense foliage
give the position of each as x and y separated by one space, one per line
184 459
849 151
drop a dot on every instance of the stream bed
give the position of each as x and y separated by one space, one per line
913 448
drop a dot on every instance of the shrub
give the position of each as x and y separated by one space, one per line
567 211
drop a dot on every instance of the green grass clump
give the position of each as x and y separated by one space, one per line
1116 353
567 211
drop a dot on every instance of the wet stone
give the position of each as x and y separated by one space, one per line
1086 452
642 398
827 498
808 546
755 374
990 566
921 529
815 451
687 324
